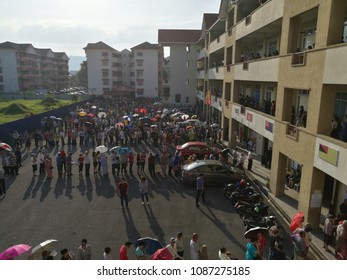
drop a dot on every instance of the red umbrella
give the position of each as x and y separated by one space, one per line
189 127
5 147
153 119
162 254
297 221
14 251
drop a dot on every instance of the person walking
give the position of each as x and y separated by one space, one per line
200 189
41 160
49 167
143 185
250 161
80 161
2 183
131 162
87 163
84 251
69 164
179 244
122 189
34 163
104 165
194 247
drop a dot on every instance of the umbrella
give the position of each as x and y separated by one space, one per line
101 109
136 115
162 254
88 124
82 114
215 125
153 119
91 115
166 111
5 147
119 124
115 149
151 244
93 107
194 117
125 117
101 149
185 117
296 221
102 115
154 126
48 245
189 127
254 231
14 251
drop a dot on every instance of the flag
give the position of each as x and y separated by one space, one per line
328 154
269 126
208 98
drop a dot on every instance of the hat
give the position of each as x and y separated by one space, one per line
172 239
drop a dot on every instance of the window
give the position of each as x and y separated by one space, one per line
105 73
177 98
104 62
139 54
139 74
139 62
140 91
139 82
187 82
187 63
340 108
272 47
188 48
0 69
104 53
187 99
105 82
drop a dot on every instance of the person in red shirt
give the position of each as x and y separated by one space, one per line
123 252
122 189
131 162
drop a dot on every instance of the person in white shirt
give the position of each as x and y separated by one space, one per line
194 247
173 249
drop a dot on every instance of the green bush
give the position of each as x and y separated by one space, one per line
14 109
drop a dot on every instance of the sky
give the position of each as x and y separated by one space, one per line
69 25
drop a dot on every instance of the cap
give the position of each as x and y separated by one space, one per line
172 239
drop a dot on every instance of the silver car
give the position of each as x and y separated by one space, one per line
215 173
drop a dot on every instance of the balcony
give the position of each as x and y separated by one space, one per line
329 157
217 103
201 74
292 132
216 73
201 53
265 69
217 44
266 14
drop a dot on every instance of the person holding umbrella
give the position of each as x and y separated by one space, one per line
252 252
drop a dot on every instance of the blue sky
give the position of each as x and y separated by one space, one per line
69 25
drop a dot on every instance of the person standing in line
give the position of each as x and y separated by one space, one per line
69 164
194 247
80 161
49 167
250 161
200 189
179 244
95 162
143 185
87 163
173 249
41 160
131 162
122 189
203 253
140 251
34 163
104 165
123 252
84 251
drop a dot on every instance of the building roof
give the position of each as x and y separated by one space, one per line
98 46
178 35
209 20
146 46
15 46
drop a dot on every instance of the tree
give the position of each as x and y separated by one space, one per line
82 75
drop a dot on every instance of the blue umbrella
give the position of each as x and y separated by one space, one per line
151 245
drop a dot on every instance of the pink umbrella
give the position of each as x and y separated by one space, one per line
297 221
91 115
14 251
162 254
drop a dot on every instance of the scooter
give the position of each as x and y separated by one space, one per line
250 211
266 222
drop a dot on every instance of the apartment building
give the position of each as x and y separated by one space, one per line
127 67
24 67
145 61
104 65
284 91
178 67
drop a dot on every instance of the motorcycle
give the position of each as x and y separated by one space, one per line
267 222
250 211
251 197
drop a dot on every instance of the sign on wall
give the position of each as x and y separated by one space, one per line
328 154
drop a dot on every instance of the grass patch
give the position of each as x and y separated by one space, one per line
18 109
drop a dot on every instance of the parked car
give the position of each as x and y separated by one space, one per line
200 149
215 173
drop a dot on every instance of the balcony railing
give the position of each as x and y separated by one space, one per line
298 59
228 68
245 66
292 131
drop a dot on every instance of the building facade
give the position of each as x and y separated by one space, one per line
26 68
145 62
104 65
178 69
282 92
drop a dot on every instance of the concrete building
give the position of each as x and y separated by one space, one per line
24 67
283 80
178 71
145 70
104 65
126 67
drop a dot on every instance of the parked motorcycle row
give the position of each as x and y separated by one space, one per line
250 204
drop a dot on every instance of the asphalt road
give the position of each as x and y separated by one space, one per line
71 208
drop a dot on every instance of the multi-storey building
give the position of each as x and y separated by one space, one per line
178 69
276 69
145 70
104 65
126 67
24 67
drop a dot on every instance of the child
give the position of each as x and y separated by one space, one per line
328 230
